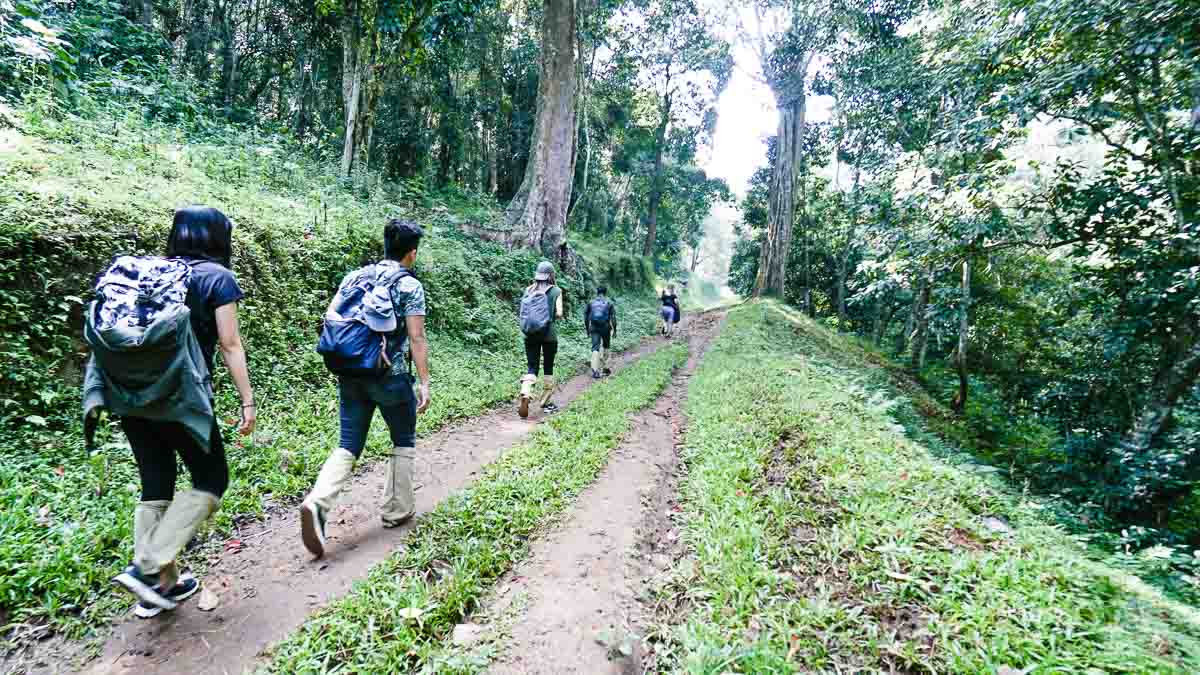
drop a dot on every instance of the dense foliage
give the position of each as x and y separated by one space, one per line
439 97
1006 199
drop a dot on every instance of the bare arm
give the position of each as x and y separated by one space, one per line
558 306
234 355
419 344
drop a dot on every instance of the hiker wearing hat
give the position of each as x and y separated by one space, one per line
541 306
373 339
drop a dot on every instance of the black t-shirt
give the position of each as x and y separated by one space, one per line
212 285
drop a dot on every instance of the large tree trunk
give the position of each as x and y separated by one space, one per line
960 358
781 211
660 141
884 311
537 214
910 323
372 93
300 119
1175 379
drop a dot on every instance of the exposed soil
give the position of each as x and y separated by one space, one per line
265 580
573 598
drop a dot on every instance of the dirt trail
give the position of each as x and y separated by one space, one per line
567 608
270 584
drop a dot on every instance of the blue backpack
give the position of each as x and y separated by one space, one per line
349 344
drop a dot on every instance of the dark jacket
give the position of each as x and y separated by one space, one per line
156 372
612 315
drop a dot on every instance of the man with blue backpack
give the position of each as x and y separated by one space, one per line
600 322
373 338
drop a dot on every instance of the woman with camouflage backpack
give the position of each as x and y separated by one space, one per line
154 330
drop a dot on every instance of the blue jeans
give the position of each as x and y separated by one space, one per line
392 394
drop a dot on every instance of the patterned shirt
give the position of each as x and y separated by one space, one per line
408 297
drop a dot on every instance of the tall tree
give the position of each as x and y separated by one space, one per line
786 40
537 213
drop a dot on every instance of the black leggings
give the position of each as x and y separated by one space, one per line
537 352
155 443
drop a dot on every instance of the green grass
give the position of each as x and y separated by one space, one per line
821 538
73 192
395 618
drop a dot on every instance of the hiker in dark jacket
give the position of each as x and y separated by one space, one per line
600 322
180 422
398 313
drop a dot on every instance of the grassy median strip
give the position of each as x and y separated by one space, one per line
821 538
394 619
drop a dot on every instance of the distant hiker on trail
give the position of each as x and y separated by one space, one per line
541 306
154 328
373 335
669 313
600 322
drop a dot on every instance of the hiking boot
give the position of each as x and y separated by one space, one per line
186 587
312 528
549 408
334 475
549 386
156 553
607 372
399 503
144 586
526 395
595 374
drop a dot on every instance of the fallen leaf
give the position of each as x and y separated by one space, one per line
466 634
208 600
234 546
60 471
411 613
